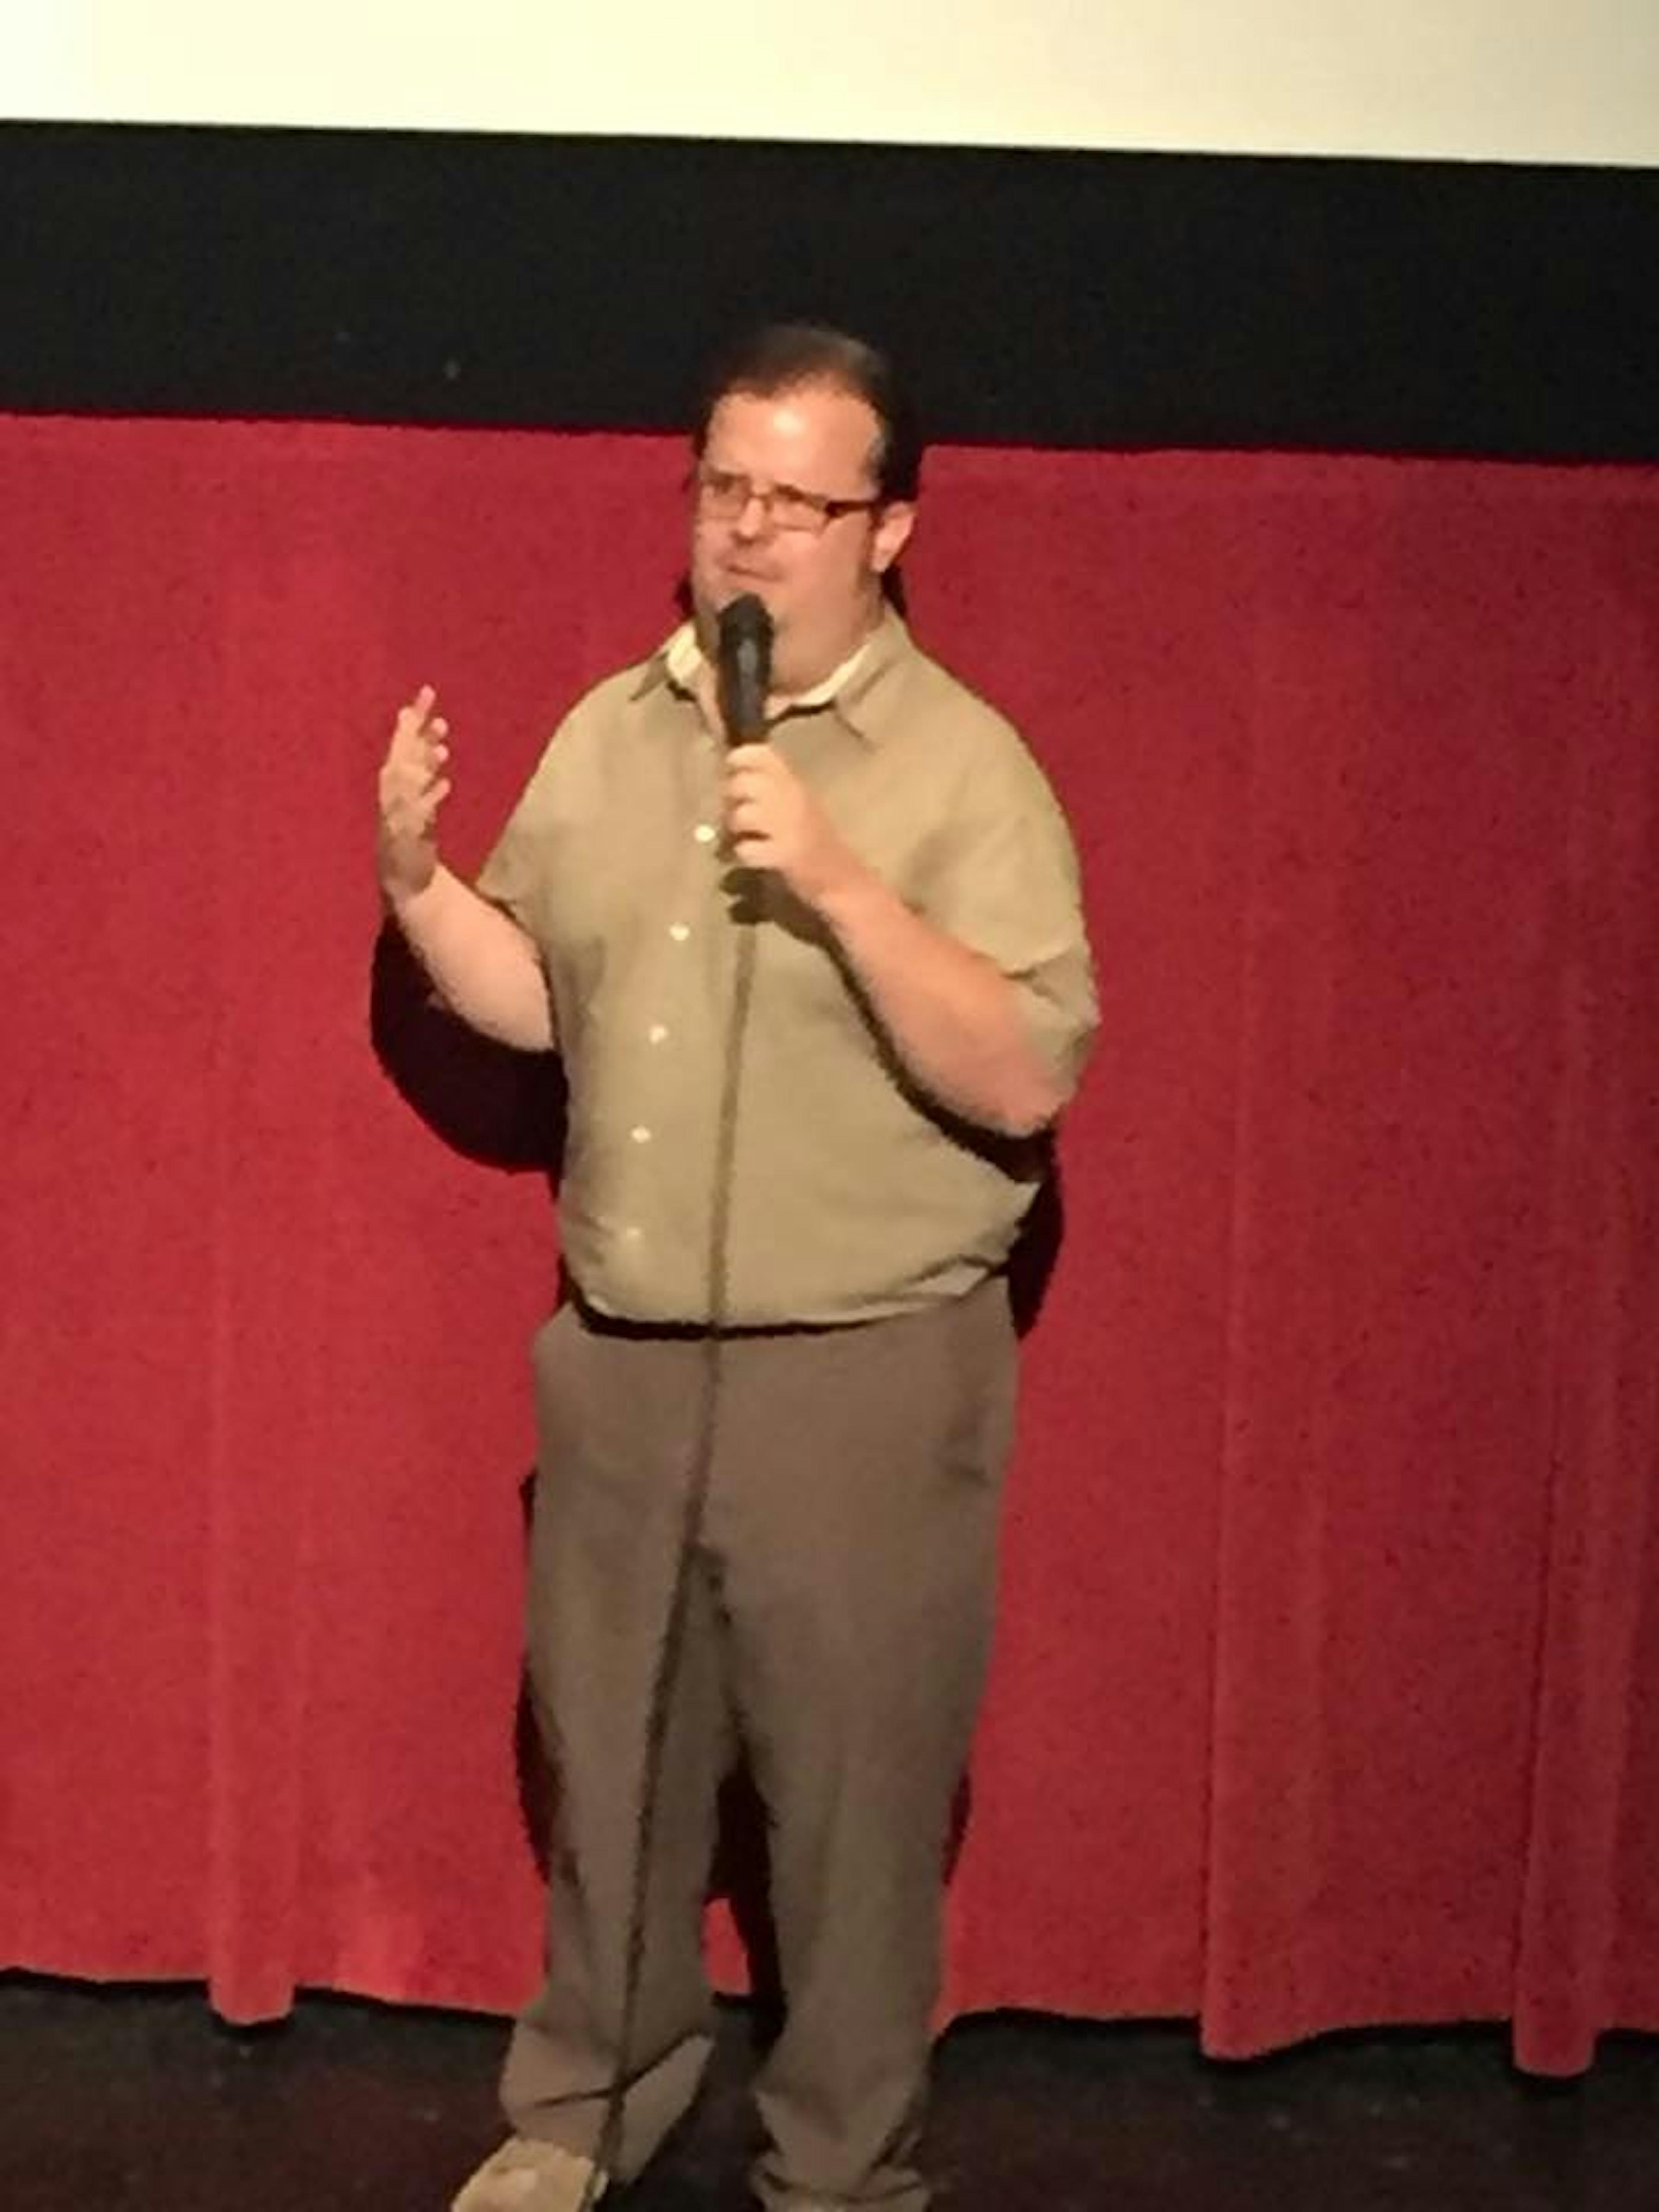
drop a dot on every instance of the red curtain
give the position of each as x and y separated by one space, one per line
1324 1691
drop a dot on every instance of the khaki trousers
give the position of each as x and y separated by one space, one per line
837 1634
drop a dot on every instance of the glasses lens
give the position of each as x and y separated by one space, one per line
721 492
726 493
795 510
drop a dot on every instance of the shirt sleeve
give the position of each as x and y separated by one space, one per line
1005 881
566 793
515 867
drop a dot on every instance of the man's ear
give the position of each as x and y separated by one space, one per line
894 524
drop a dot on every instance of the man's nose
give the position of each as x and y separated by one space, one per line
753 516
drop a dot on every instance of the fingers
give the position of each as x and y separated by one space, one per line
416 725
754 772
413 781
762 804
407 812
748 815
436 751
420 739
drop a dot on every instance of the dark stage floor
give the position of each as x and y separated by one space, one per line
115 2101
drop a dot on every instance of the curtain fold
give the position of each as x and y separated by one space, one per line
1592 1802
1323 1690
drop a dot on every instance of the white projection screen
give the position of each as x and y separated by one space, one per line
1532 81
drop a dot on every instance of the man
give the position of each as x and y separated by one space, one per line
830 1191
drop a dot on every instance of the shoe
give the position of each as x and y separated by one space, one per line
527 2176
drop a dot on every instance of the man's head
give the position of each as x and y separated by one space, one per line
808 460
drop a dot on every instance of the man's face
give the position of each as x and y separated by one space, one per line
824 590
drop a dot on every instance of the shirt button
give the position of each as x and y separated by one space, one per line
704 833
632 1233
640 1133
658 1033
679 932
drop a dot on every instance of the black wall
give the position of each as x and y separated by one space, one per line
1080 300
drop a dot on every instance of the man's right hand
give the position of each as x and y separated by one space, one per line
485 967
413 787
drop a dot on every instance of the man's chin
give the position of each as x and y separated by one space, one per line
708 601
707 611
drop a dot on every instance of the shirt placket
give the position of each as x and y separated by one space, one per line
673 1054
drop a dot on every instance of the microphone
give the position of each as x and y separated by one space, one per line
745 668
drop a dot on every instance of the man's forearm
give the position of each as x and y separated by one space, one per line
954 1019
485 967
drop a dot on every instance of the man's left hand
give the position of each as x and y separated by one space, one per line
773 821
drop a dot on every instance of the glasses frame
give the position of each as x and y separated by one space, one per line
735 490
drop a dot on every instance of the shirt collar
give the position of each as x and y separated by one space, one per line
855 690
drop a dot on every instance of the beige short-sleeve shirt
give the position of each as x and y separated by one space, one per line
852 1195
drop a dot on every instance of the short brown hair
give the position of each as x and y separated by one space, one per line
782 356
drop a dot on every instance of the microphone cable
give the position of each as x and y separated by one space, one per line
745 640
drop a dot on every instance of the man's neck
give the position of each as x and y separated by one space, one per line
805 686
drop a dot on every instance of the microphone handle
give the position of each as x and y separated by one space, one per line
744 669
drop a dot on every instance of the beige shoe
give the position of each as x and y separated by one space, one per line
526 2176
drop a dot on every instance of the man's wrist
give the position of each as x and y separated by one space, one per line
402 900
852 899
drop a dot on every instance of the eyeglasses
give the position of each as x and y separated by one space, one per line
726 493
